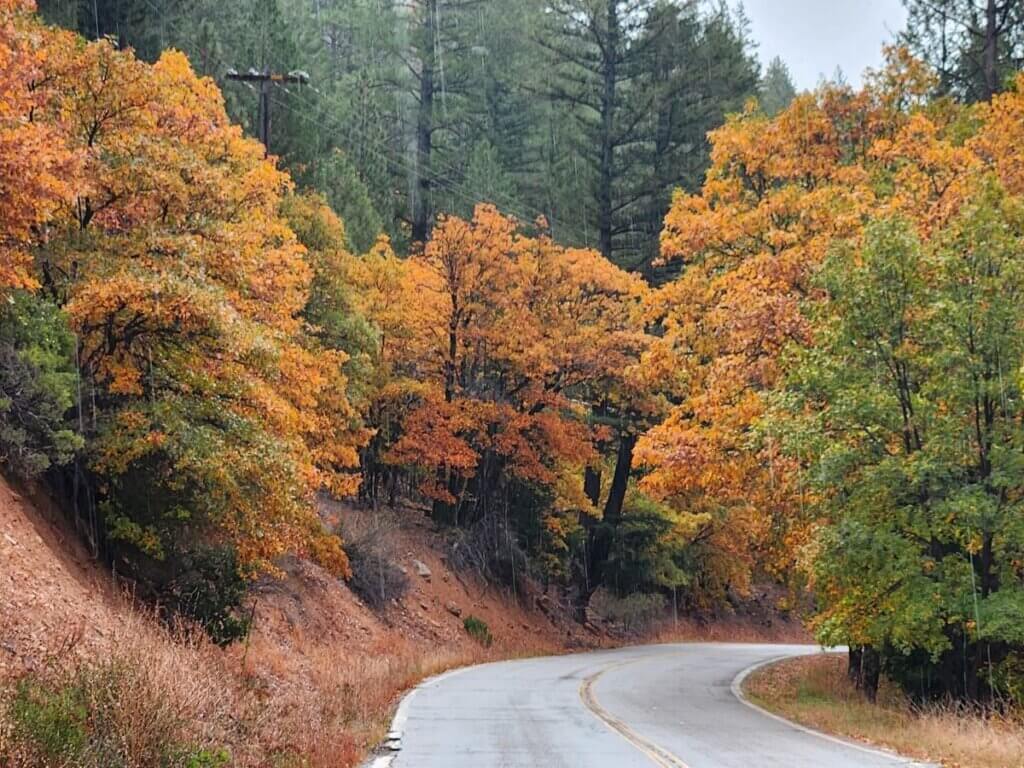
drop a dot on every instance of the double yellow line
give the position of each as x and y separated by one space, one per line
659 756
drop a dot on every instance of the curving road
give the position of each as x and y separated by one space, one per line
672 706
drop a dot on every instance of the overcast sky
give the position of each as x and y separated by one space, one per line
813 37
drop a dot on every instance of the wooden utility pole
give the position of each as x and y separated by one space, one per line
265 79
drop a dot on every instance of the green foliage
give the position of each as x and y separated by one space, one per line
777 89
37 386
207 758
910 417
1008 679
346 192
331 308
51 724
477 629
647 552
209 587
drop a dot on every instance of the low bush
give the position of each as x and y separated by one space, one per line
635 613
477 629
209 588
376 575
104 715
490 549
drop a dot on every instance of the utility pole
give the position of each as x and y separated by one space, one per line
265 79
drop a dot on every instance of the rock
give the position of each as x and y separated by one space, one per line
453 609
424 606
421 569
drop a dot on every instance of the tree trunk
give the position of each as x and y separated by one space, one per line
606 169
620 480
602 533
989 63
853 664
424 127
592 484
864 668
868 673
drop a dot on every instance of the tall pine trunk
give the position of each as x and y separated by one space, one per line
424 127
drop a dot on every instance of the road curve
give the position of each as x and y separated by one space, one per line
666 705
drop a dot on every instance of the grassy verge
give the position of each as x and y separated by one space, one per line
171 699
815 691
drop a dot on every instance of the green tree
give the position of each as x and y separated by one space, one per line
644 82
974 45
777 89
37 386
910 426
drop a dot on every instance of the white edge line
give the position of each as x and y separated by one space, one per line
394 737
737 691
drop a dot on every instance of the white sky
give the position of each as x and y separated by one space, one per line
813 37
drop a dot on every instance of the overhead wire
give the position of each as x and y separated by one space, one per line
517 208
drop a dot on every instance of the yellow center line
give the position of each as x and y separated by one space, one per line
659 756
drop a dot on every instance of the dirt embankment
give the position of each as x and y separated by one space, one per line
318 677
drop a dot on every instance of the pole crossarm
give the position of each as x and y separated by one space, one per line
265 79
252 76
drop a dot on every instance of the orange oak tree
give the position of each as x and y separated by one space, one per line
212 406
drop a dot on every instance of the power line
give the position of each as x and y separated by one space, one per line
265 78
516 207
511 204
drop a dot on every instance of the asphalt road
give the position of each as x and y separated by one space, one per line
670 705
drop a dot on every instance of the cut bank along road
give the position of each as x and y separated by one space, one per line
672 706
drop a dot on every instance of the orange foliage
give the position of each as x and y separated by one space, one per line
498 343
780 192
185 285
36 167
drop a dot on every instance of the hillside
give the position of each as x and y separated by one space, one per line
320 672
316 650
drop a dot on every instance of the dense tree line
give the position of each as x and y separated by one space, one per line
586 112
813 378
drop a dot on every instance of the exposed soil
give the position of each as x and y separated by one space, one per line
317 653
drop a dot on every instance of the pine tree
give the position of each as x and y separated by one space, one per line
777 89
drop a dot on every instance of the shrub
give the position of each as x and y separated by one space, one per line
37 385
209 588
635 612
99 716
477 629
490 549
50 724
376 576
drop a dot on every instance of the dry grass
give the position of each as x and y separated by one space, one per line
342 707
729 630
163 697
815 691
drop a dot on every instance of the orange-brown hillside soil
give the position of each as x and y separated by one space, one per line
320 673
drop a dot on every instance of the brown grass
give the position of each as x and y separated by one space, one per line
161 692
729 630
816 692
